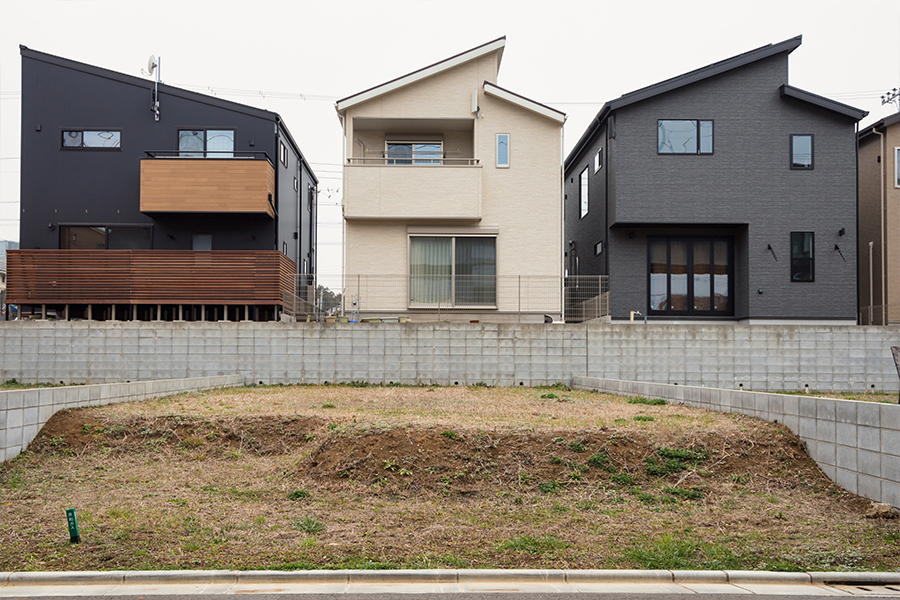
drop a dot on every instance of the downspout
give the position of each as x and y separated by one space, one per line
881 214
562 223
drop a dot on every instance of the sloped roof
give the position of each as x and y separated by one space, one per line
526 103
668 85
885 122
790 91
409 78
166 89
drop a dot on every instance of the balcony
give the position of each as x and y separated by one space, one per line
442 189
149 277
244 183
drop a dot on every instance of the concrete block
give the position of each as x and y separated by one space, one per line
845 411
825 409
846 478
869 438
868 413
845 458
869 487
808 406
30 416
845 434
825 430
890 469
869 463
890 416
890 443
807 428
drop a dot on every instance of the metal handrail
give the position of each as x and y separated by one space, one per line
227 154
423 161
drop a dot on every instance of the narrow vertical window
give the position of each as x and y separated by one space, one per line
284 154
583 193
801 151
802 256
598 160
502 149
897 167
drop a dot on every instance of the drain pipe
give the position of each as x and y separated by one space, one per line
881 184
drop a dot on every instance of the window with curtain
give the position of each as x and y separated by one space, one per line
453 271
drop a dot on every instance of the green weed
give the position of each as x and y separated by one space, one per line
309 525
653 402
298 495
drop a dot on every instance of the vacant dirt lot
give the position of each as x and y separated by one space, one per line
426 477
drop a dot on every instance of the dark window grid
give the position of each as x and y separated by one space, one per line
66 229
712 141
689 242
82 147
812 152
803 268
206 140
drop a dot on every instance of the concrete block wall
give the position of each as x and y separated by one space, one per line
856 444
763 358
24 412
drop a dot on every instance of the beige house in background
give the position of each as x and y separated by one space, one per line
452 196
879 222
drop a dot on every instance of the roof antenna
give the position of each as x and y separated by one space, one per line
153 67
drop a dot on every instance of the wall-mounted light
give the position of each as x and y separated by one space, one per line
759 290
50 226
842 231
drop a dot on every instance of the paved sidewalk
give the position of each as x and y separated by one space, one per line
123 583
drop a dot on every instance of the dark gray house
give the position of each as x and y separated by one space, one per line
137 196
721 194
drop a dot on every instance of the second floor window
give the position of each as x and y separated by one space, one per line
583 192
414 153
502 149
211 143
802 151
684 136
91 138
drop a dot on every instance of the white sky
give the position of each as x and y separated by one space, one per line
572 55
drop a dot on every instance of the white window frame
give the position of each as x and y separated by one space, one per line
583 191
499 164
897 167
453 237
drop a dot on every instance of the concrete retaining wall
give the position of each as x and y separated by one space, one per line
760 357
24 412
856 444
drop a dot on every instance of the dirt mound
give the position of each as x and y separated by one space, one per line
83 431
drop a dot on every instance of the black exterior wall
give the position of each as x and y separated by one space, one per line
101 187
744 190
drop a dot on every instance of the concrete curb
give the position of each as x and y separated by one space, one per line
460 576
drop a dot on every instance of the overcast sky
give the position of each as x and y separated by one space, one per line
297 57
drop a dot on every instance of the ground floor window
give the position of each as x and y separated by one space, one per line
114 237
453 270
690 276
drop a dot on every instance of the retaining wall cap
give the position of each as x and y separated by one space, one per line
466 575
293 577
767 577
700 576
404 576
132 577
844 577
4 578
65 577
619 575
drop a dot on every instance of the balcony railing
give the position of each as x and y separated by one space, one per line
188 182
415 161
149 277
429 298
375 189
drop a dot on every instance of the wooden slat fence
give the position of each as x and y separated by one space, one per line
149 277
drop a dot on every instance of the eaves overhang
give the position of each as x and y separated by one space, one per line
668 85
523 102
410 78
880 125
789 91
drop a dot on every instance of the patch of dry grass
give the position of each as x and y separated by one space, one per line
425 478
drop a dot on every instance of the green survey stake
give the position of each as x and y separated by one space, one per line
72 521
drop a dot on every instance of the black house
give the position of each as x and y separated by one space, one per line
721 194
208 203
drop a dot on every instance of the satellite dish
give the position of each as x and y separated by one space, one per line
151 64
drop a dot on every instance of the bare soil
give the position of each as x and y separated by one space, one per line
399 477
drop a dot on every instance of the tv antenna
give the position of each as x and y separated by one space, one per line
153 67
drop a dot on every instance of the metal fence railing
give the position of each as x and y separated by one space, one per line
879 314
437 297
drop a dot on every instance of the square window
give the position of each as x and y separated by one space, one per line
801 152
211 143
802 256
690 276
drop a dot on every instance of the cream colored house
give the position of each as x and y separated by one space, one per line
452 196
879 222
